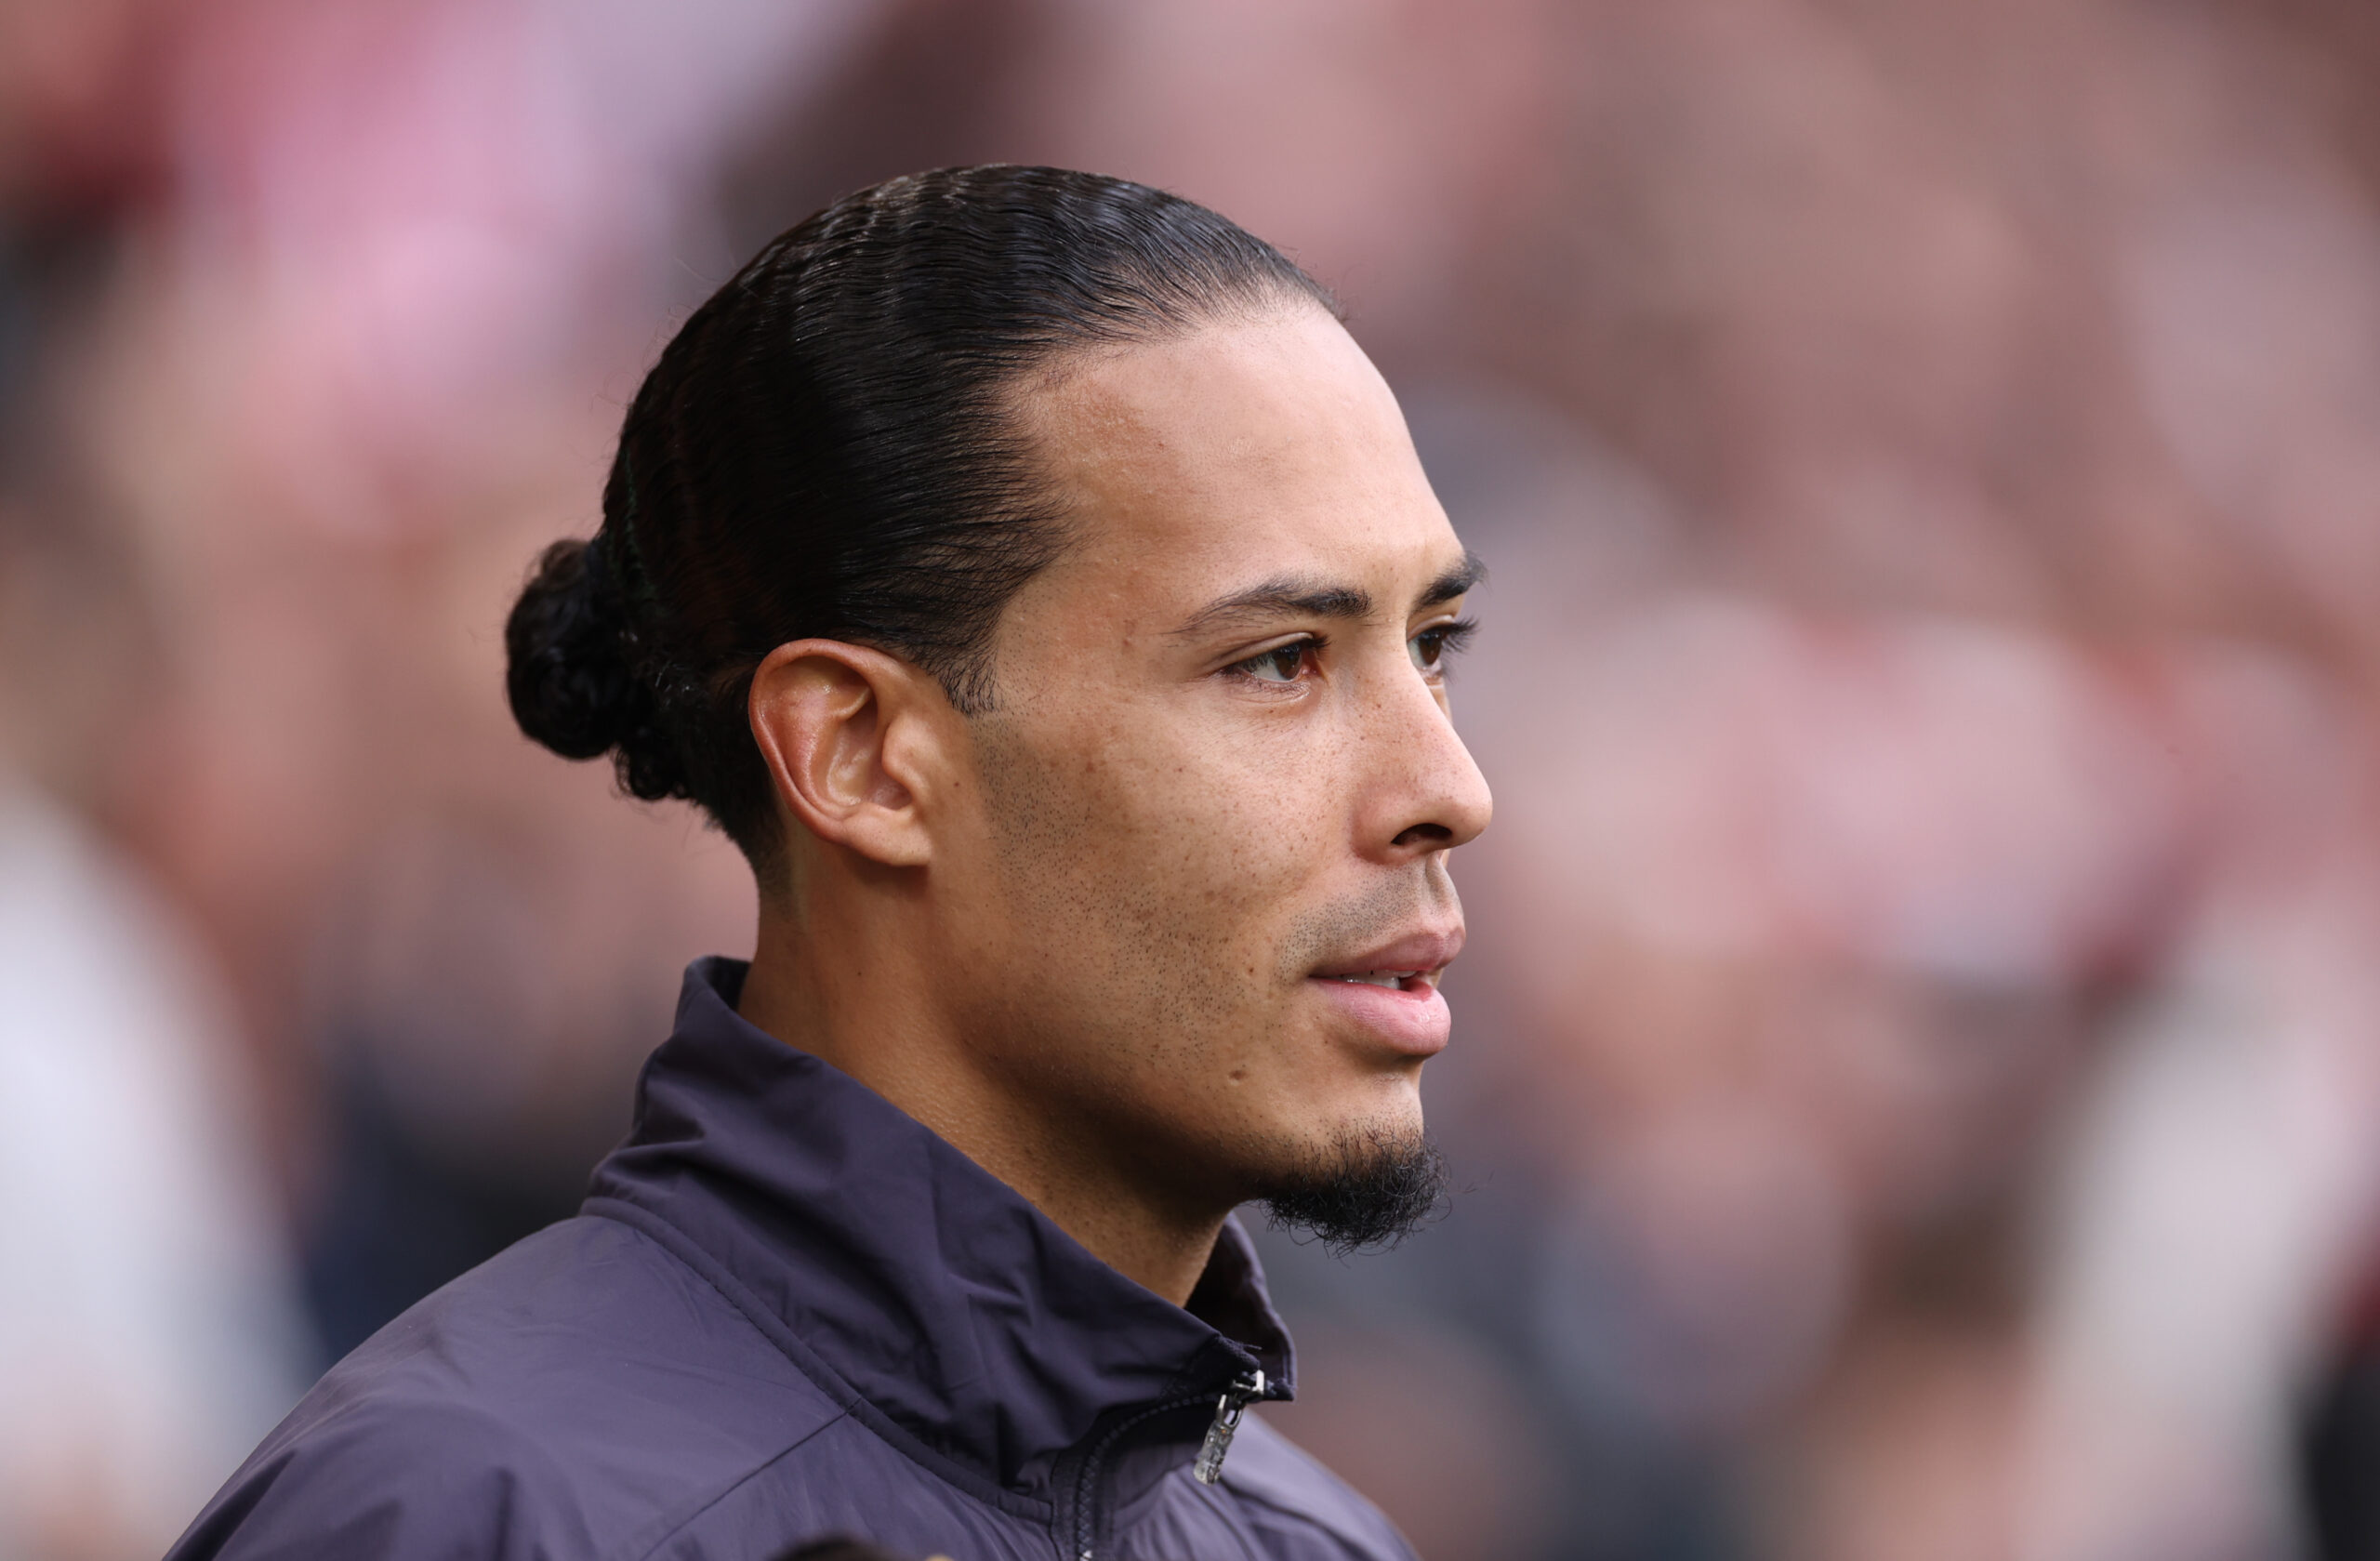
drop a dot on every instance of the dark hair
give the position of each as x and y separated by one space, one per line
838 1549
826 448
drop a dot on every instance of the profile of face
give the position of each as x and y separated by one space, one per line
1194 886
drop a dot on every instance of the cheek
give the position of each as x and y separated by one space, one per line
1150 910
1160 876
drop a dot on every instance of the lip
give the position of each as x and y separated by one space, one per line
1430 950
1411 1017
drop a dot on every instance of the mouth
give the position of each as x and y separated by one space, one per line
1389 991
1411 961
1403 981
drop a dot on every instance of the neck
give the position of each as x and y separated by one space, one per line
855 993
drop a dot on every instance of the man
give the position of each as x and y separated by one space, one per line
1031 574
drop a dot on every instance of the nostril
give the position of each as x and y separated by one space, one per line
1425 834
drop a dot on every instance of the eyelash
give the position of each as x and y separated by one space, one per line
1305 650
1451 639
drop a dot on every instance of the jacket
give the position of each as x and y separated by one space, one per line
786 1310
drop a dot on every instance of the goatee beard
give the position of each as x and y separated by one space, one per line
1373 1190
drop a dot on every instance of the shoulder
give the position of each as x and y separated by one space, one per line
577 1396
435 1480
1301 1506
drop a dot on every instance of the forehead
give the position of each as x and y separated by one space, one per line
1246 449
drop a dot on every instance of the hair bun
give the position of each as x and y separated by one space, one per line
566 673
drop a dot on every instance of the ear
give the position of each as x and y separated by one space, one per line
853 740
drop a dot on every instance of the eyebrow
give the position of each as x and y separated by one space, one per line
1458 580
1303 596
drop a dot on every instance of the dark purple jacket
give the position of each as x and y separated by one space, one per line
787 1309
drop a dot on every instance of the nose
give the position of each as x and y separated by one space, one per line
1424 792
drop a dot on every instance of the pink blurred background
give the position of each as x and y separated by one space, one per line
1916 1091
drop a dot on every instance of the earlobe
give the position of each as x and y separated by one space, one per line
840 727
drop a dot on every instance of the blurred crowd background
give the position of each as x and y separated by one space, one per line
1916 1091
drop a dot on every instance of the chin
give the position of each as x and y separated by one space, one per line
1370 1184
1381 1105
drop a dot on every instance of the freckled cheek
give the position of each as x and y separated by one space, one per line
1228 871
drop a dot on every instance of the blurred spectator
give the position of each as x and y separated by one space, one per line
148 1326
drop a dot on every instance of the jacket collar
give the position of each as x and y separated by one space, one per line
920 1288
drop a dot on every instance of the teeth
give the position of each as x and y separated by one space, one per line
1377 978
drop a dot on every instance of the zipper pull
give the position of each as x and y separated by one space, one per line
1228 1408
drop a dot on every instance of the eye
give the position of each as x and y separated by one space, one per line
1432 647
1282 664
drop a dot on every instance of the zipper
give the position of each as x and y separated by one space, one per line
1244 1391
1228 1408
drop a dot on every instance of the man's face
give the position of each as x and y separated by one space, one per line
1203 906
